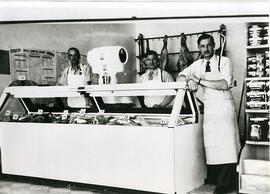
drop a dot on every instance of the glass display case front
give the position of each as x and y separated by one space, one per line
121 104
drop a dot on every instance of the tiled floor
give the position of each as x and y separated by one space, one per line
15 185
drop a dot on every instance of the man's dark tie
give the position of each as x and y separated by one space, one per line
150 75
207 67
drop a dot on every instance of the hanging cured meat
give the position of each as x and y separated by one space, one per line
147 46
185 58
164 57
141 54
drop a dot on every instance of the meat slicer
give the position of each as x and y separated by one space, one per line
107 61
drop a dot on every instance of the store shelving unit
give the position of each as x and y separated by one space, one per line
254 164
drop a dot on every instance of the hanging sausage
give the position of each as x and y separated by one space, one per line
164 57
185 58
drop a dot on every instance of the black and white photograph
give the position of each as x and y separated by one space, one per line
134 97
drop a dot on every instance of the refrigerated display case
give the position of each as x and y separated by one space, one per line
115 141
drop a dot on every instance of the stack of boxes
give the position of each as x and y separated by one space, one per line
258 35
258 65
258 99
255 177
258 94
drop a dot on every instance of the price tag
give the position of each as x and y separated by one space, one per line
40 111
82 112
64 117
65 112
101 111
8 112
15 117
95 121
21 77
126 117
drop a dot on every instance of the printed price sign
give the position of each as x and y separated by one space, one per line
8 112
40 111
82 112
21 77
15 117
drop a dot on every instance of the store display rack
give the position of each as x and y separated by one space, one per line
143 43
254 163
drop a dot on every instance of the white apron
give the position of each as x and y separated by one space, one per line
221 134
150 101
76 81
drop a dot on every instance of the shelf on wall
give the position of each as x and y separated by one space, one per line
257 78
252 191
257 111
257 142
264 46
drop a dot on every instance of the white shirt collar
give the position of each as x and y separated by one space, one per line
212 60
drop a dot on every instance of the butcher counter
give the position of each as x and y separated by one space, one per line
115 141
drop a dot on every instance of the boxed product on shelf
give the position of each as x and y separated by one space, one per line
255 183
256 167
267 85
256 105
257 85
252 67
256 96
258 129
252 74
267 74
251 59
266 35
255 35
258 35
256 65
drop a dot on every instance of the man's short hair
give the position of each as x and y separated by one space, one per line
151 52
74 48
205 36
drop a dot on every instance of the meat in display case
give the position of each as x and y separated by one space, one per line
113 141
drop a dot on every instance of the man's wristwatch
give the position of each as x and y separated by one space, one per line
199 82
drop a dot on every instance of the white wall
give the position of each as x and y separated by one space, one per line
60 37
4 81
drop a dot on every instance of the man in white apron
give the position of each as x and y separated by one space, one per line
154 75
76 75
220 130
